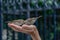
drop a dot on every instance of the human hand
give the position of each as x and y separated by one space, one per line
28 29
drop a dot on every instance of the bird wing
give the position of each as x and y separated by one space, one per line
31 21
17 22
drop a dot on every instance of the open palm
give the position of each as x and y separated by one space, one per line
28 29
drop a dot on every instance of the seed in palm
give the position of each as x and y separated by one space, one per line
29 21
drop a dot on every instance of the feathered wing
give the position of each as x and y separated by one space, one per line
17 22
31 21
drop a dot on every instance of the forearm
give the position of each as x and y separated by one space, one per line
35 35
36 38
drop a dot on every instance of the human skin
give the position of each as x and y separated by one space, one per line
28 29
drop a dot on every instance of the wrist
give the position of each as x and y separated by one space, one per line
35 35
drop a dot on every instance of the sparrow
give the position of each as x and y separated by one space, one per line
28 21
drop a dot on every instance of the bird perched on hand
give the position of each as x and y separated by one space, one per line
28 21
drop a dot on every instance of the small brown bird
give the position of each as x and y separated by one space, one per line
29 21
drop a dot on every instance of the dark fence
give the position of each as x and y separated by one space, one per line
48 26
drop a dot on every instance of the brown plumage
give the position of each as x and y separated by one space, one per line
29 21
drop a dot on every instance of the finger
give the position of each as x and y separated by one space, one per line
33 26
28 31
15 27
27 27
19 29
31 30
